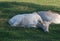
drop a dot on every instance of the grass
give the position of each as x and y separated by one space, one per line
11 8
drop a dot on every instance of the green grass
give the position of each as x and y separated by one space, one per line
42 2
11 8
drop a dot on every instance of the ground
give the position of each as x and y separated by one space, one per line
9 8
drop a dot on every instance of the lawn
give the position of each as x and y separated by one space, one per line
9 8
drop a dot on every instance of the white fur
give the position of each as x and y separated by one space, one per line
49 17
25 20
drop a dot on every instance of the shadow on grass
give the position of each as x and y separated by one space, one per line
23 7
9 9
